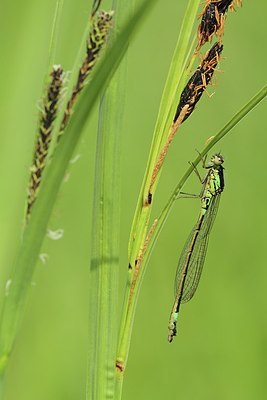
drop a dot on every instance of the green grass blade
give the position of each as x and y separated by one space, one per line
104 271
14 303
55 32
105 258
170 99
140 222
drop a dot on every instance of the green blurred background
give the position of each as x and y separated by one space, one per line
221 350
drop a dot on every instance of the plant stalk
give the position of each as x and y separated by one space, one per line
139 234
104 270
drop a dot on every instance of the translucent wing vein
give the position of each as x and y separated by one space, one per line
199 249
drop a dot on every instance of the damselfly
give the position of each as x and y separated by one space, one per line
193 254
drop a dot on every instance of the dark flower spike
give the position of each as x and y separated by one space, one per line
48 115
199 81
96 41
213 18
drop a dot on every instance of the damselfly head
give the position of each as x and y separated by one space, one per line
217 159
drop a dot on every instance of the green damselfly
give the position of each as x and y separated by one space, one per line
193 254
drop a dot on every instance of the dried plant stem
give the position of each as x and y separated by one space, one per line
140 258
173 130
